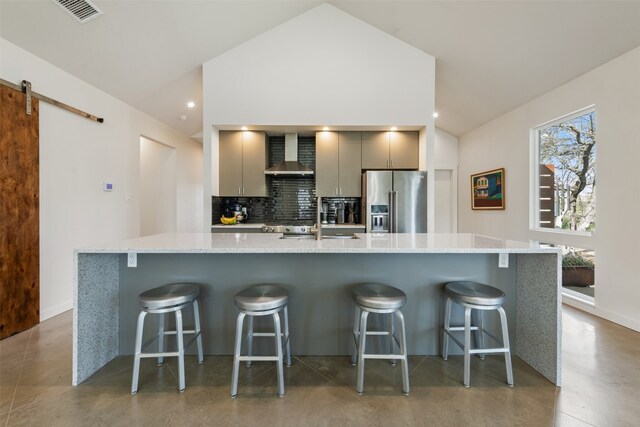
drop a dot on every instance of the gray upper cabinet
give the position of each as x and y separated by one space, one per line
403 150
350 164
338 164
390 150
375 150
243 159
327 153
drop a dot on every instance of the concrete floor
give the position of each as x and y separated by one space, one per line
601 382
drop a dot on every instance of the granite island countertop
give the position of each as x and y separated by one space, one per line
271 243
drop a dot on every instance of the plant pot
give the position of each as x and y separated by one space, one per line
578 276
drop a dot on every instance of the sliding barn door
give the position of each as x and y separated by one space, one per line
19 214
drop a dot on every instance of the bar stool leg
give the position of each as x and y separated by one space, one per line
180 336
161 338
445 330
196 315
278 341
505 343
479 336
138 350
356 334
403 352
236 354
391 340
286 336
250 340
361 348
467 345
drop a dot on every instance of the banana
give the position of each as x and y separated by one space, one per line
227 221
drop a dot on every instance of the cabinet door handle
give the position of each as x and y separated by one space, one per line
340 191
238 190
243 191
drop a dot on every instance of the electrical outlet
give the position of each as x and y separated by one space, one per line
503 260
132 259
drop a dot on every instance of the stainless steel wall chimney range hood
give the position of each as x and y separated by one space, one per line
291 165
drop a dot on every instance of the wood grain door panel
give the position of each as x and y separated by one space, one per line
19 214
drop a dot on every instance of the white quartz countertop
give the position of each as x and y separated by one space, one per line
270 243
238 226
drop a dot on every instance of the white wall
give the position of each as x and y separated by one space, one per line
76 156
158 188
445 200
323 67
615 90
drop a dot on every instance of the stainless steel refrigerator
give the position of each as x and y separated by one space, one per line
395 201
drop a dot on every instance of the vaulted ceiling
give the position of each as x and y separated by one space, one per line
491 56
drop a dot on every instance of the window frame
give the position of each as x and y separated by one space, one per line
534 175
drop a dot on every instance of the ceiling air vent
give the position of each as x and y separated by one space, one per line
82 10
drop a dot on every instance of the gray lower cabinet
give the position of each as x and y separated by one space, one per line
390 150
243 159
338 164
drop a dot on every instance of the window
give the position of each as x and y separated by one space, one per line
565 166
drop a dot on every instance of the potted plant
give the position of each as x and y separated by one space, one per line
577 270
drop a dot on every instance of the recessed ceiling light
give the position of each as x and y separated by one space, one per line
394 128
435 114
191 104
183 116
244 128
325 128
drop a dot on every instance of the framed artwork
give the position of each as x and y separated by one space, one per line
487 190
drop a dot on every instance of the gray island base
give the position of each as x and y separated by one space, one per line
318 276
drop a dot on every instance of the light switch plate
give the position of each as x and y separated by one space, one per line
503 260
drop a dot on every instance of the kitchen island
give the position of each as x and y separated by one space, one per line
318 275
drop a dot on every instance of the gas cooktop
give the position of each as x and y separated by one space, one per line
287 229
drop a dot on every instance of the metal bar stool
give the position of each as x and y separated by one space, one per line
261 300
382 299
166 299
475 296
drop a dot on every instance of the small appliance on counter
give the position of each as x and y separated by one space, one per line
237 211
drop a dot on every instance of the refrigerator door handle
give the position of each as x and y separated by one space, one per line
392 214
395 211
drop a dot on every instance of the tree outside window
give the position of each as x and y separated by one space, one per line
567 173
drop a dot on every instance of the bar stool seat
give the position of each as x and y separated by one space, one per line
169 295
161 300
380 299
262 300
379 296
474 293
479 297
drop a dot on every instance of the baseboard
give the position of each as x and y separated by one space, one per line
54 311
593 309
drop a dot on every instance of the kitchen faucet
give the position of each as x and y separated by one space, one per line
318 227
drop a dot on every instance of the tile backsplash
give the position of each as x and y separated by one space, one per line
292 199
